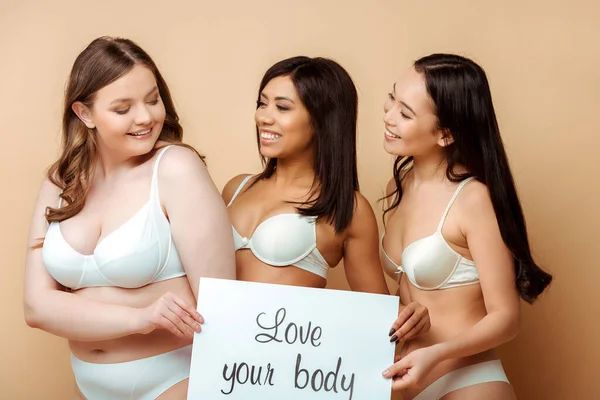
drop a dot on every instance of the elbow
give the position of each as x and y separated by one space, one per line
31 319
513 328
32 315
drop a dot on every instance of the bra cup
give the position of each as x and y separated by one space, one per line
429 263
145 262
135 236
59 258
284 239
389 267
238 242
288 239
140 247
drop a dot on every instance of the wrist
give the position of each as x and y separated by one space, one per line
137 322
441 351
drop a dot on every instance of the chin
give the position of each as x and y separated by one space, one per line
142 148
268 153
392 149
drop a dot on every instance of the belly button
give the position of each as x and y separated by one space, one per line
97 351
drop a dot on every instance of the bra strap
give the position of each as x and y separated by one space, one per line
456 192
154 183
239 189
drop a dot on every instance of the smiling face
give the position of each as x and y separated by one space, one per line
282 120
411 125
127 114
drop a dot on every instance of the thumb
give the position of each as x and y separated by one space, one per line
403 382
396 368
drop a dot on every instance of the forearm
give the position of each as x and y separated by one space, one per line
365 276
76 318
493 330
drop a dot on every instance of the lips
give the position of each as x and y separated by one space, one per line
390 135
269 136
140 133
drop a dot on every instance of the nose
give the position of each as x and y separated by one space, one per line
387 116
143 116
263 116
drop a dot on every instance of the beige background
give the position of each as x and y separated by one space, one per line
543 61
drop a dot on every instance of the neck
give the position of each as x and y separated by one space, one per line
294 171
430 168
110 164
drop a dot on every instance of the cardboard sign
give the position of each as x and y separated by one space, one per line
263 341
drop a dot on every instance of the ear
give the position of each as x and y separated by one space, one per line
83 113
445 138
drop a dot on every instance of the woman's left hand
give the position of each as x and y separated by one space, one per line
412 370
413 320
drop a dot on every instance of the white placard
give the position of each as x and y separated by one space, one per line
263 341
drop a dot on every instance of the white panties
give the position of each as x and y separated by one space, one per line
143 379
488 371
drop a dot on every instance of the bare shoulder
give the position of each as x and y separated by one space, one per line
475 194
362 205
180 161
475 202
232 186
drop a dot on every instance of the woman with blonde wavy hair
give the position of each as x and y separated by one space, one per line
125 224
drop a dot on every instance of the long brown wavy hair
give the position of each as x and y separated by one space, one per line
103 61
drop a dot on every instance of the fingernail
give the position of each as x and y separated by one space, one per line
391 332
198 328
386 373
394 338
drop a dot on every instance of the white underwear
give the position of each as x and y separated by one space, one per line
143 379
488 371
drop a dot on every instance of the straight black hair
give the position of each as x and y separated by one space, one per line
329 95
461 94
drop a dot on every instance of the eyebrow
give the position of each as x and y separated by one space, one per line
278 98
123 100
401 102
407 106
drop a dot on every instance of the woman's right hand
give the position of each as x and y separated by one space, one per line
171 313
413 320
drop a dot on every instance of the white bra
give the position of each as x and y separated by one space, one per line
430 263
139 252
284 240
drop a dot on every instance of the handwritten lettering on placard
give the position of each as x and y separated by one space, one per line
281 331
276 342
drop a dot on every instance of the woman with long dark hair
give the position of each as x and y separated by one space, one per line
455 235
303 213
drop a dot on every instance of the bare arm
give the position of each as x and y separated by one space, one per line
496 274
48 307
199 221
361 251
